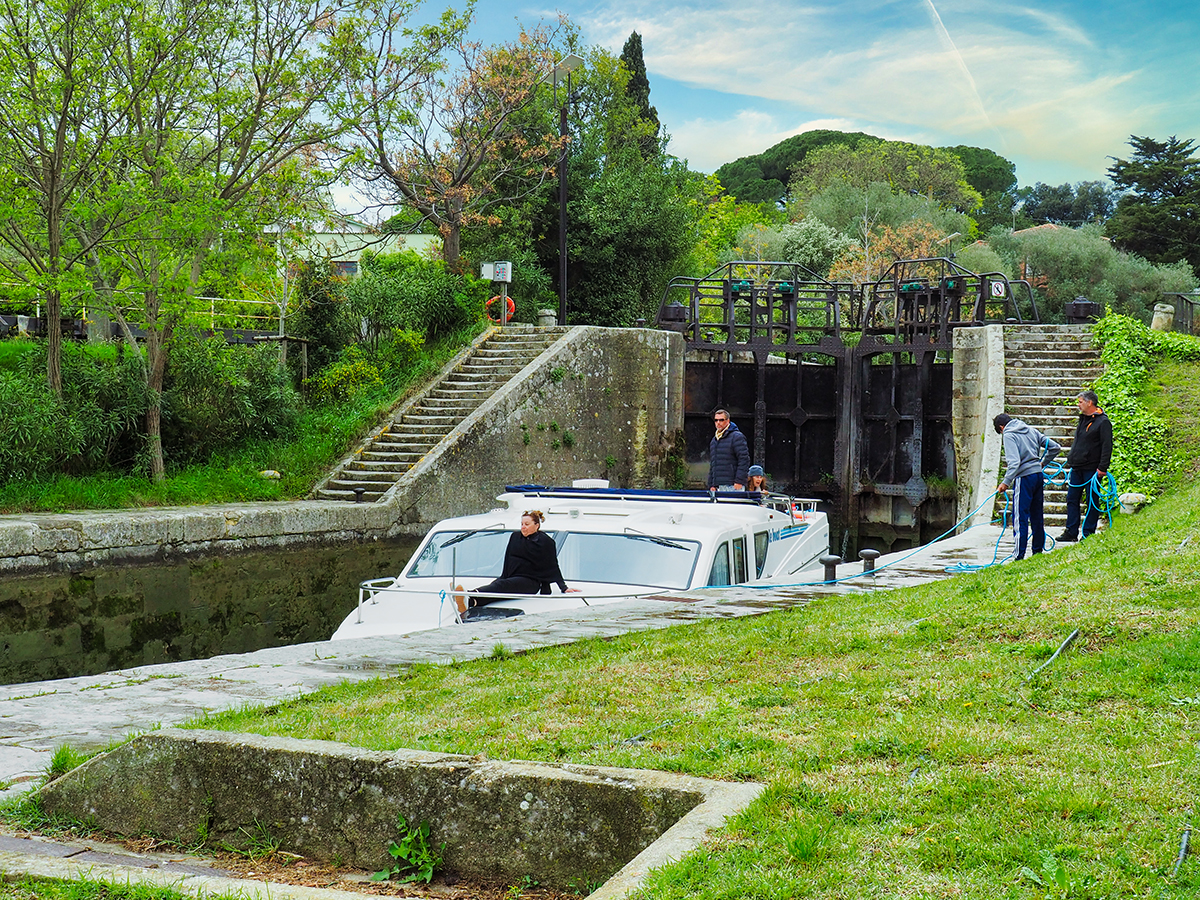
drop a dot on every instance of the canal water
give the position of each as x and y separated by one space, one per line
106 618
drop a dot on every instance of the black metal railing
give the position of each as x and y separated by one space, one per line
776 306
785 307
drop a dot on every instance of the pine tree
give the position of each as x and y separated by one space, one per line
638 89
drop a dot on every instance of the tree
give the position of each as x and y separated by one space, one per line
811 243
632 218
456 144
1065 263
849 209
721 221
1065 204
882 245
61 114
996 180
1160 216
632 215
763 178
222 141
938 175
638 89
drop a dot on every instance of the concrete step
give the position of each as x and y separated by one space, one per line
394 464
429 420
368 476
1045 378
1045 391
446 394
1049 345
330 493
401 437
375 456
491 369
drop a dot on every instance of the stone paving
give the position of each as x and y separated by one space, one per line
91 712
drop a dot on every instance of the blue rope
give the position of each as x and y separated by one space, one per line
949 531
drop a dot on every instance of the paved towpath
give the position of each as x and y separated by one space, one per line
91 712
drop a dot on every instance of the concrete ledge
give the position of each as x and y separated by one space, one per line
561 824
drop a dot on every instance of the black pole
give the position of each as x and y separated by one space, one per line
562 208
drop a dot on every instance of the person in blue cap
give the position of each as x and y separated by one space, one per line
756 479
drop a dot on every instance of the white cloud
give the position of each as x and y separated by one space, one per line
1022 80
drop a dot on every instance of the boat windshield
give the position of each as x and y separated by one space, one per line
469 553
664 563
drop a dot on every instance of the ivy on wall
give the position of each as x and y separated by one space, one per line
1128 348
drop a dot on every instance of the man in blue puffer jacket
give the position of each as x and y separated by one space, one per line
1027 451
728 455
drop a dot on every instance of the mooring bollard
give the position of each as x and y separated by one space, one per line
830 563
868 557
358 494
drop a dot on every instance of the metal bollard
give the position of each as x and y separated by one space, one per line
358 494
868 557
830 563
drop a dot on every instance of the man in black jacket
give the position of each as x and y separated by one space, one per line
728 455
1089 458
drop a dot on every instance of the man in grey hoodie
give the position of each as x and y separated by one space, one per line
1027 451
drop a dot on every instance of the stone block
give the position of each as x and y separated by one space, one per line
502 821
57 535
200 524
17 537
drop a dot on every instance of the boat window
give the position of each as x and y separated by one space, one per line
739 560
761 540
720 567
640 559
467 553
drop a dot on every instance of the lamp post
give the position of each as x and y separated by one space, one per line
565 67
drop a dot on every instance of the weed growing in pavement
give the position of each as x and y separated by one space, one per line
416 858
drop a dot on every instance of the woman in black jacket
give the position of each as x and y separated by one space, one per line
530 566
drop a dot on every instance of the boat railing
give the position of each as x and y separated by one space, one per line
372 586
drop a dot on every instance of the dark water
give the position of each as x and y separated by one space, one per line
65 624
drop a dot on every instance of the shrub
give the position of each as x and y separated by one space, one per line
405 290
322 315
94 426
346 378
217 396
1064 263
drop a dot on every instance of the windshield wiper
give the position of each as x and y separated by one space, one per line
467 534
642 536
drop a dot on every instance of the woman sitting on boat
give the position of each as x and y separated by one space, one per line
530 567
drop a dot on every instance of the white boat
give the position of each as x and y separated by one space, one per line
612 544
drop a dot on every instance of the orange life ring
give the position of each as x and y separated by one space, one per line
512 308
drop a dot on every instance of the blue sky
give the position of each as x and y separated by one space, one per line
1056 86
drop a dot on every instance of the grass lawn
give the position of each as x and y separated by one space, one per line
908 750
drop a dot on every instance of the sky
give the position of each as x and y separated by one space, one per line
1056 86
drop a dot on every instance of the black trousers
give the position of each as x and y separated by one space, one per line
1079 491
517 584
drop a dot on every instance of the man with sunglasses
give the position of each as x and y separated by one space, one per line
728 455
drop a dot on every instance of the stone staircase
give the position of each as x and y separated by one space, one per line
1045 366
425 423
